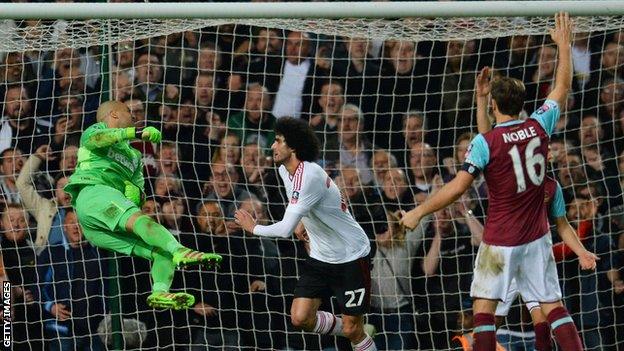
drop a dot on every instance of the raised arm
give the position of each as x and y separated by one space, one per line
30 197
482 87
98 136
562 37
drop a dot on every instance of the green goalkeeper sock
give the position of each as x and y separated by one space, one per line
155 234
162 267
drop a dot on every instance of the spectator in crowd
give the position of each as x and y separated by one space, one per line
558 151
175 52
571 174
229 151
173 217
360 72
610 69
542 78
122 86
265 58
209 61
226 188
255 123
49 214
149 74
168 160
453 164
514 60
19 255
423 167
355 149
330 102
124 61
72 290
391 288
260 179
407 83
238 277
167 187
450 250
205 93
381 162
151 208
208 131
396 193
293 97
611 109
11 163
364 202
13 71
588 293
457 88
148 150
69 122
211 316
414 132
582 58
73 82
17 125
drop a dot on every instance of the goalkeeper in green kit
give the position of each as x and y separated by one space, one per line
107 190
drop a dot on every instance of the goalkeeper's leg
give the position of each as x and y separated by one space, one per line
162 275
162 265
156 235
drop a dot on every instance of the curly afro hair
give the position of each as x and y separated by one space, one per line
299 136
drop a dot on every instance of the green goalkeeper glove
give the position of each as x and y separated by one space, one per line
150 134
133 193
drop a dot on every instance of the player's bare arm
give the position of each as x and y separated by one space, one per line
442 198
587 260
482 88
561 35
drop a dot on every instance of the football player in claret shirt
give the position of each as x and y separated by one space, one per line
516 241
339 248
553 198
107 191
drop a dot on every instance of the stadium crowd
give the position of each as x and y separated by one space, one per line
394 119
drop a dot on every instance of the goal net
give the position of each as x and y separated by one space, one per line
392 102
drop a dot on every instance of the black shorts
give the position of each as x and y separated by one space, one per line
349 282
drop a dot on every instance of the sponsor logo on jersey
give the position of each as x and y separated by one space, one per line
125 161
294 198
542 109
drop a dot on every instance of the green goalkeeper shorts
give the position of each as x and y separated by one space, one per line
99 209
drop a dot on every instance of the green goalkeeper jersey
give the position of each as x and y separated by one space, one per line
105 157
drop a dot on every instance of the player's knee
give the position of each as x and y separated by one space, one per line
352 330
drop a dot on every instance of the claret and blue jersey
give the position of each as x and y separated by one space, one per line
517 212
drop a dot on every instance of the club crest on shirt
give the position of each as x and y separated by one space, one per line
542 109
295 197
327 182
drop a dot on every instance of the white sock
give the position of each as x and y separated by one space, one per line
365 345
327 323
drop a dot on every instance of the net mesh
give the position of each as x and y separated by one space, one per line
53 35
392 102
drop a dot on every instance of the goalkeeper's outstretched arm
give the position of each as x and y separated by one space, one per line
96 138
